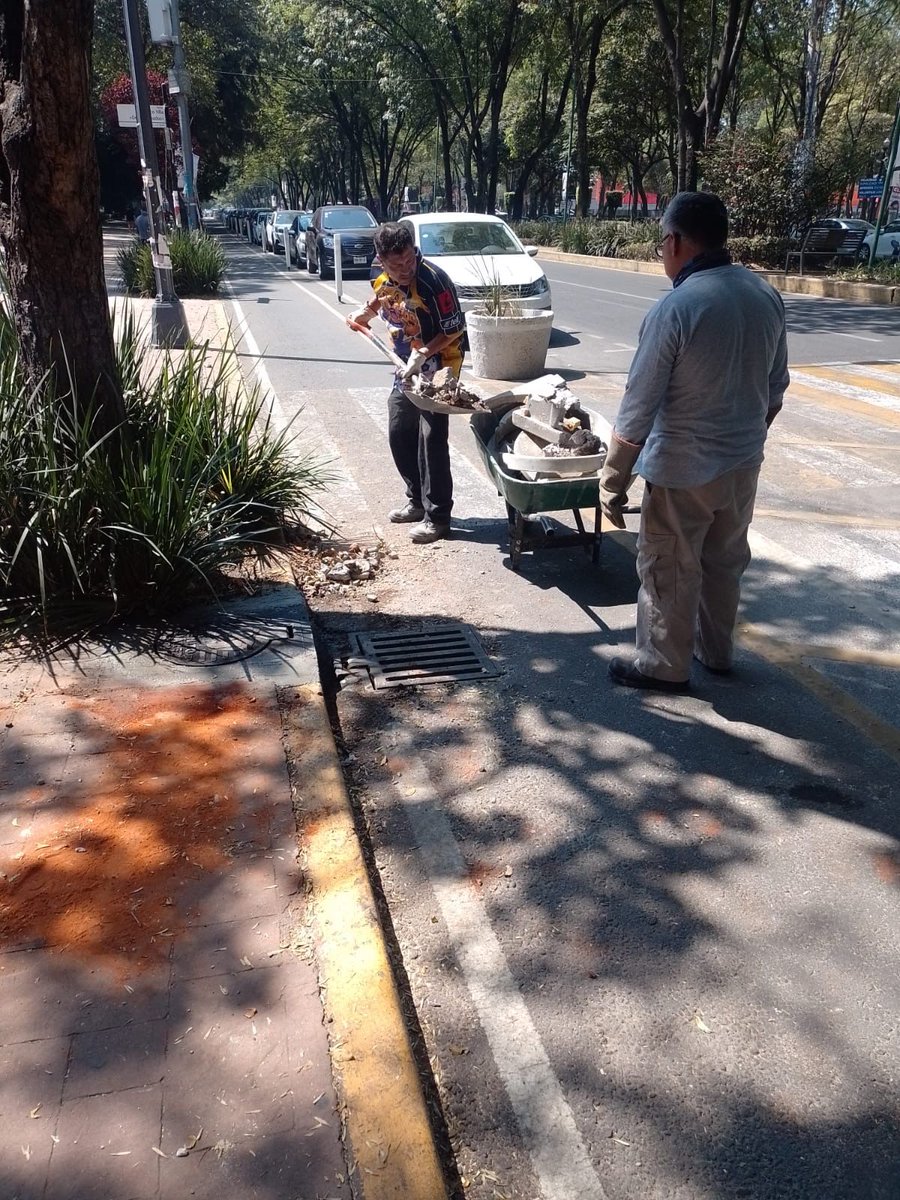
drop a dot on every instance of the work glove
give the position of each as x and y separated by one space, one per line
616 478
362 316
414 364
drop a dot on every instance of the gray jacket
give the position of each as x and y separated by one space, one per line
711 363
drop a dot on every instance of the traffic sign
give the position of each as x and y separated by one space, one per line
870 188
128 116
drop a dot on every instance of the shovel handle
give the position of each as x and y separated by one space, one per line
379 345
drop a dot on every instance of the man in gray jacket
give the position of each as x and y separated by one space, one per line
707 380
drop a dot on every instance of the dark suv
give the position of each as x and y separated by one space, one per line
355 224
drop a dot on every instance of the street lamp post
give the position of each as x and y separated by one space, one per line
181 90
890 162
167 323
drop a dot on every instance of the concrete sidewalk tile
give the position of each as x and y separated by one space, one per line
230 1073
42 994
31 1081
278 1167
228 948
111 1060
248 889
105 1147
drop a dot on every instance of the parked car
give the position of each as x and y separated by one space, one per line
888 243
297 235
476 250
851 224
355 224
267 231
281 222
257 227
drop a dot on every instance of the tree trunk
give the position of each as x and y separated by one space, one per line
50 201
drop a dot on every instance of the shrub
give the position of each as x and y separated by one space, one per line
198 264
194 480
881 272
765 252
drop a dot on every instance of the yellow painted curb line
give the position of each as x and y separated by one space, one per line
386 1115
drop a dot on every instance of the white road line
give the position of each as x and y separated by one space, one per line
470 486
546 1124
870 371
591 287
851 391
259 366
860 337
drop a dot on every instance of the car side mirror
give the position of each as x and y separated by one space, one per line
532 250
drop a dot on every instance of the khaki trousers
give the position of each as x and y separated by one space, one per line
692 552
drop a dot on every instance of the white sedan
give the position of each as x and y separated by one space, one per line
888 243
476 250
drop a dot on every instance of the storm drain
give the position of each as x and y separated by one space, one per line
438 654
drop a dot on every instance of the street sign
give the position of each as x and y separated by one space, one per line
162 27
128 116
870 188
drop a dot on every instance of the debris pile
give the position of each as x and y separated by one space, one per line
323 568
445 388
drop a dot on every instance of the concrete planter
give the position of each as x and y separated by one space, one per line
509 347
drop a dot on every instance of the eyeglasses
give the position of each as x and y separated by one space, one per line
660 244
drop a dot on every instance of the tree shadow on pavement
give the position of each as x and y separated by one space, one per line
703 906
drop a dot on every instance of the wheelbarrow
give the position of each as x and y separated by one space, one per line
526 498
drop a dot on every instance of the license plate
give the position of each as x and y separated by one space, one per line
360 259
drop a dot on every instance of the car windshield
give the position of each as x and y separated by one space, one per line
466 237
286 216
348 218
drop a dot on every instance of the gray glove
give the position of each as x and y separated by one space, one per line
616 478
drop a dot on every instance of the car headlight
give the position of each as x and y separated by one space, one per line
328 241
541 285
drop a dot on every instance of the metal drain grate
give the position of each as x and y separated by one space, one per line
439 654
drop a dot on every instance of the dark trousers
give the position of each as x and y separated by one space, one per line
420 445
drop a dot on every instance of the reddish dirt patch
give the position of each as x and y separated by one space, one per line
139 826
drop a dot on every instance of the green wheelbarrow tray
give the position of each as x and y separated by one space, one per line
528 497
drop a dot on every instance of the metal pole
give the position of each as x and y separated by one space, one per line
338 268
889 165
437 146
183 83
167 323
287 246
565 189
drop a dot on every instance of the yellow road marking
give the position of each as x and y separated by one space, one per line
387 1119
789 658
817 518
844 404
848 375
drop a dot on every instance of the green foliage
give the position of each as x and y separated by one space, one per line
194 480
198 264
609 239
769 252
879 272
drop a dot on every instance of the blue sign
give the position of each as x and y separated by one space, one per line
871 188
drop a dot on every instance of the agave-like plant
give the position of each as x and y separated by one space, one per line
141 520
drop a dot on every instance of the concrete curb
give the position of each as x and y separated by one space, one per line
802 285
387 1119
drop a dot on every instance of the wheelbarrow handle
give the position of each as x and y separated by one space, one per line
378 344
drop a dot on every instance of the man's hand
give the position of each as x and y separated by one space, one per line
362 316
612 507
414 364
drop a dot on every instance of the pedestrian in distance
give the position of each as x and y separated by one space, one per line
142 226
420 306
707 380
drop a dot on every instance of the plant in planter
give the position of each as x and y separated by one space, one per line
506 339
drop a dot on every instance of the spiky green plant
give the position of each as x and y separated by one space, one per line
198 264
196 478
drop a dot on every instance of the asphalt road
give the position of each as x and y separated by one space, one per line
652 941
597 315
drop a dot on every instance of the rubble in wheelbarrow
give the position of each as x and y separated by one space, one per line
446 388
579 441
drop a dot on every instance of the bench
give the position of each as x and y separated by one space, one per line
824 243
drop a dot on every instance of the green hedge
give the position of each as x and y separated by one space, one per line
198 264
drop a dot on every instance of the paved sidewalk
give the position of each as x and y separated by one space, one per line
162 1032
